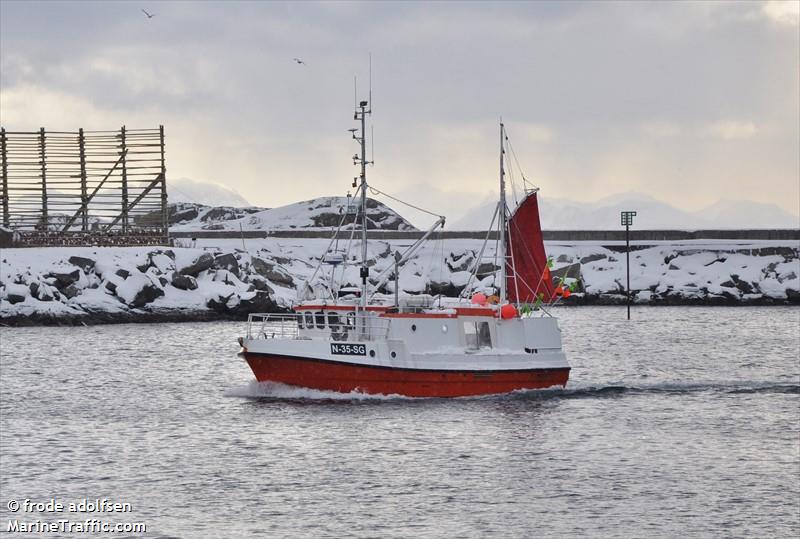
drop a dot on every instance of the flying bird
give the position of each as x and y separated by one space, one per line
149 16
299 61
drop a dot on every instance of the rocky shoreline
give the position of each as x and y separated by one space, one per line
180 316
95 285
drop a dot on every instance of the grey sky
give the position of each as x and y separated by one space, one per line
689 102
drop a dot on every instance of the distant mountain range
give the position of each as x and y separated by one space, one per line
556 213
562 214
207 194
323 213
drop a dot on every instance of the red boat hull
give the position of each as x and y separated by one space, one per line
345 378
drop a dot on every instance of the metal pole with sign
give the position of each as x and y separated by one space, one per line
627 221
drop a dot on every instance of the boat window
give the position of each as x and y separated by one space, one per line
471 335
338 326
484 335
477 335
320 317
300 321
333 321
309 320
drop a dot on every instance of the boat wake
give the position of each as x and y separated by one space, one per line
614 391
277 391
282 392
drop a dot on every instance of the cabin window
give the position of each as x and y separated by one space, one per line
477 335
337 324
484 335
333 321
300 321
320 318
309 320
471 335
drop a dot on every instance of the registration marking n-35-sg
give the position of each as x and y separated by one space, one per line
342 349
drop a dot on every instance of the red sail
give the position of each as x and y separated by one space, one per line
530 261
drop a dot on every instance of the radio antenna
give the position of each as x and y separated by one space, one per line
355 92
370 82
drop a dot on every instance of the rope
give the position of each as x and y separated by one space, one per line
480 254
514 155
377 192
327 250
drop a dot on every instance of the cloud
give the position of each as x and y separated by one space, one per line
597 96
661 129
733 130
783 11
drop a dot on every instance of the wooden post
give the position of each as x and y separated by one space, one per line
164 213
6 221
123 151
84 195
42 157
90 197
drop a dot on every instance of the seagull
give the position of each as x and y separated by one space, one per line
149 16
299 61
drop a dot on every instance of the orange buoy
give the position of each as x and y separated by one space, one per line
479 298
566 293
508 311
559 290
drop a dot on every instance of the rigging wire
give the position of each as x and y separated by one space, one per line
497 243
514 155
375 191
353 229
510 173
335 238
441 262
480 254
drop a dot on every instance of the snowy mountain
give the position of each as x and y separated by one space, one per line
728 214
318 213
562 214
207 194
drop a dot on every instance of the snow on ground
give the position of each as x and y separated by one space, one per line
218 276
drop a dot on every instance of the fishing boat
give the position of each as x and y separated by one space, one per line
354 339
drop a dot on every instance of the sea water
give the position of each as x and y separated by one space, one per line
680 422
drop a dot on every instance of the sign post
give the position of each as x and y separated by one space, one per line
627 220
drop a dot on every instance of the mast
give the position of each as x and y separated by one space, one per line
503 217
362 160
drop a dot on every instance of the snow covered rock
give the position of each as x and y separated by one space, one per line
461 261
204 262
91 280
261 302
272 272
184 282
86 264
64 279
260 283
137 290
227 262
16 293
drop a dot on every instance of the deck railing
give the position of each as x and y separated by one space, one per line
353 327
